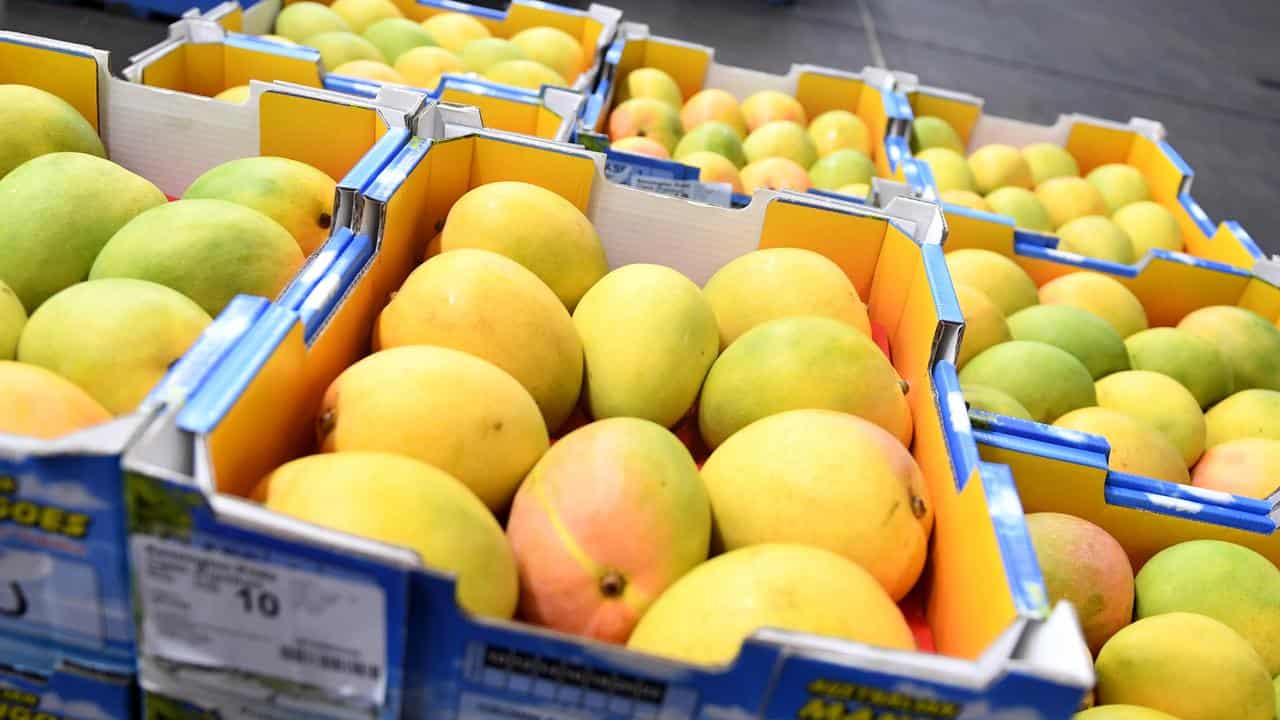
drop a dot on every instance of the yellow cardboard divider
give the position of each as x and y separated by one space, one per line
234 19
242 65
327 135
796 226
1094 145
72 77
499 112
1164 179
209 68
819 93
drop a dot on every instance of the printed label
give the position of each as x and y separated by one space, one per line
218 610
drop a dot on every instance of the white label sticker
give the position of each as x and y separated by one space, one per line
217 610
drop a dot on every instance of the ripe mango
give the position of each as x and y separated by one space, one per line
803 362
1136 447
557 50
401 501
998 277
1101 295
1248 342
775 283
452 410
56 213
36 402
984 324
652 83
292 193
1246 414
533 226
453 30
1190 359
115 338
826 479
1086 336
1189 666
576 519
1161 402
12 319
1248 467
1048 381
38 123
707 614
208 250
649 337
490 306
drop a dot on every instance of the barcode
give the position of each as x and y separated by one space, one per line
332 663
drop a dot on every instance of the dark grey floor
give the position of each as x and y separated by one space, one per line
1209 71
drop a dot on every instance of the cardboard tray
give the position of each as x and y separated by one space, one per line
1093 142
982 606
870 94
202 57
1064 471
66 630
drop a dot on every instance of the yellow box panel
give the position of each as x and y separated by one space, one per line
547 124
243 65
405 235
914 337
1223 247
562 173
819 93
1094 145
73 78
1169 290
205 69
450 164
498 113
327 135
965 231
1164 179
234 20
851 241
168 71
894 274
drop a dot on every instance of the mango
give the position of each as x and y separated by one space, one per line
576 518
452 410
646 117
1119 184
339 48
1048 161
292 193
928 131
781 138
713 105
713 168
533 226
556 49
1191 360
370 70
1229 583
1023 206
796 363
637 145
483 53
966 199
1068 198
434 515
715 137
238 94
1161 402
1160 662
524 73
1248 467
949 169
12 319
818 477
840 168
361 14
1096 237
995 275
208 250
490 306
35 402
1083 564
453 30
998 165
1248 342
984 324
1245 414
766 106
1048 381
775 173
652 83
115 338
38 123
1137 448
1149 225
395 36
57 211
704 617
655 308
1101 295
989 399
839 130
775 283
1086 336
299 21
424 66
1121 712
